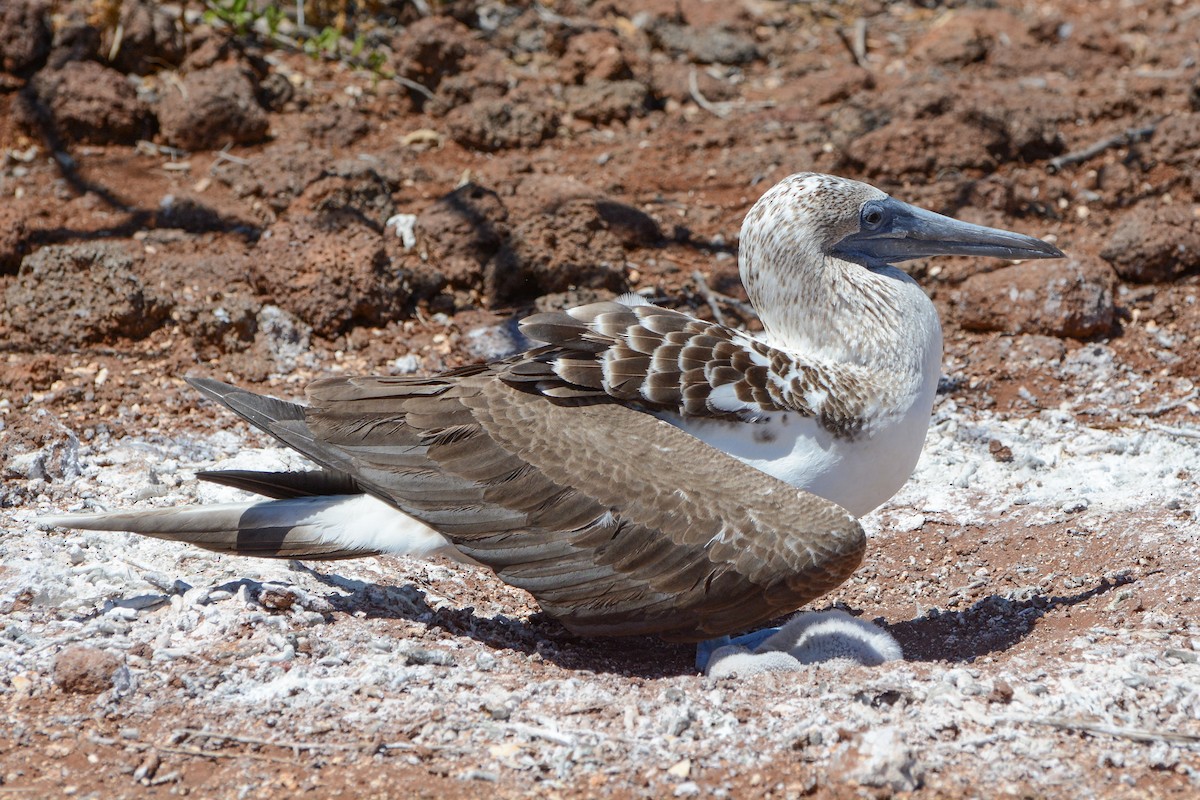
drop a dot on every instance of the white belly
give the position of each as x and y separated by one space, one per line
859 475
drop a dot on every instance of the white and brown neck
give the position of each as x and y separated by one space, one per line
819 305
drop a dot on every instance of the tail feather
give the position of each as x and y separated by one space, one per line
284 485
314 528
256 408
281 419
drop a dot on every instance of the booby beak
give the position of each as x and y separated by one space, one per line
892 231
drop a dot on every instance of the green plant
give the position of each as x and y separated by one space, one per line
240 15
244 18
327 42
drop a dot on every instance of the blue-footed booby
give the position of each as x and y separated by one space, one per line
640 471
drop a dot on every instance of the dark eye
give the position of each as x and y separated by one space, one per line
872 217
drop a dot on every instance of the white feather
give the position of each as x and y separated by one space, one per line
352 521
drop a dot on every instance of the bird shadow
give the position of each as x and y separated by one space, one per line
538 636
992 624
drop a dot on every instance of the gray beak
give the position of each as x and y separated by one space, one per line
905 232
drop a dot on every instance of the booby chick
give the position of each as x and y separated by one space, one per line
641 471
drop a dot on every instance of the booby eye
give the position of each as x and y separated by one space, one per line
872 217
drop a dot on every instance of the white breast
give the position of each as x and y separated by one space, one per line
859 475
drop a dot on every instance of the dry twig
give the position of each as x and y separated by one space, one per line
1128 136
293 746
196 751
1134 734
408 83
709 296
1170 405
701 100
856 41
714 298
1185 433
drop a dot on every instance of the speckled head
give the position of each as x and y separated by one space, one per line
810 208
817 251
793 229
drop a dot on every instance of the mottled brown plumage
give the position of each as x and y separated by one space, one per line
560 497
662 360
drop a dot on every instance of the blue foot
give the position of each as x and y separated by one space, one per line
750 641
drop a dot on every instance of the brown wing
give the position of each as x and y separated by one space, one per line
617 522
665 360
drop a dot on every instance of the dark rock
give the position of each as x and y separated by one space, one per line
1056 298
528 34
213 107
916 149
433 49
570 249
487 80
969 36
275 91
563 241
278 176
83 102
1018 125
75 39
594 56
209 47
227 324
459 234
607 101
1156 243
68 295
499 124
1177 139
336 126
547 194
24 35
840 83
191 214
552 235
14 238
85 670
331 276
150 38
350 191
709 45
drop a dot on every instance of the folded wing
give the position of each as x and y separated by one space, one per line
617 522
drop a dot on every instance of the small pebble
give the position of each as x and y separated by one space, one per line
85 670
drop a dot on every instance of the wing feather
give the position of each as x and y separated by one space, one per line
547 468
659 357
566 499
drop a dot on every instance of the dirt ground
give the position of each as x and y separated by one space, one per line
180 201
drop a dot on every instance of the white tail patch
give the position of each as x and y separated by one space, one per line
347 521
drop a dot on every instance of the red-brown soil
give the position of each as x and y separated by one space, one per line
193 203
